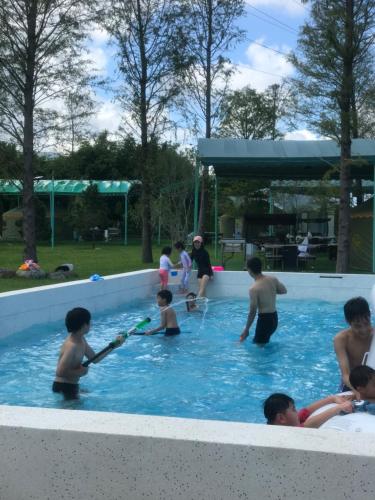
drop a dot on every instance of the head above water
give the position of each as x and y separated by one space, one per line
76 319
254 265
166 296
356 309
279 409
166 251
362 378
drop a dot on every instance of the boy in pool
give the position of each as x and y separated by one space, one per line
352 343
69 366
168 319
191 303
362 379
279 409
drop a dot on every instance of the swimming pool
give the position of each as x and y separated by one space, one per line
204 373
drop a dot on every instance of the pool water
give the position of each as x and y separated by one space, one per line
203 373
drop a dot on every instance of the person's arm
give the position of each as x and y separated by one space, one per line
316 421
162 326
90 353
339 343
280 288
253 307
328 400
65 366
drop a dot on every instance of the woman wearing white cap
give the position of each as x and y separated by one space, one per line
200 255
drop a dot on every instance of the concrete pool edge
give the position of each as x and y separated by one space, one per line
112 456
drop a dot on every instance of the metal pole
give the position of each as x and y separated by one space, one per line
52 211
216 214
270 211
373 226
196 193
126 220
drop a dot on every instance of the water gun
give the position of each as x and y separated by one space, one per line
115 343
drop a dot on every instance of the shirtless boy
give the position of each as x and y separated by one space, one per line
352 343
168 320
69 367
262 299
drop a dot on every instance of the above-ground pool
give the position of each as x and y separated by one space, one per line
203 373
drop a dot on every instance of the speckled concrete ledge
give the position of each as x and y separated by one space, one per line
63 454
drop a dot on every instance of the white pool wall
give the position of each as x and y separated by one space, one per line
56 455
63 454
47 304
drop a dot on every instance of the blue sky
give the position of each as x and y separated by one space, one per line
268 23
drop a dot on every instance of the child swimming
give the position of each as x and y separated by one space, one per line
168 319
191 304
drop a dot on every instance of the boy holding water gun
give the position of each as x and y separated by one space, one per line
168 319
69 366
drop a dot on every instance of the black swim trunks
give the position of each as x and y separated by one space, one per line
70 391
266 326
203 272
172 331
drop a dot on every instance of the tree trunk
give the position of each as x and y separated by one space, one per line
358 187
204 180
343 243
145 156
29 234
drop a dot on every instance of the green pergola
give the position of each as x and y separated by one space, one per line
55 187
282 161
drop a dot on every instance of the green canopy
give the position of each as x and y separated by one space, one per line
282 160
72 188
68 187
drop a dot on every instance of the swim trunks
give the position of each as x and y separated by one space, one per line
266 326
172 331
70 391
203 272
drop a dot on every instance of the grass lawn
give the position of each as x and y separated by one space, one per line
105 259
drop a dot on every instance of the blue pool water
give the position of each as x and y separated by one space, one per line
202 373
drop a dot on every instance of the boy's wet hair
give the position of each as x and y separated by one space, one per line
179 245
191 296
166 295
361 376
274 404
254 264
76 319
356 308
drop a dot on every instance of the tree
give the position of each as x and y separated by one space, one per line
248 114
150 52
211 31
89 213
333 47
40 44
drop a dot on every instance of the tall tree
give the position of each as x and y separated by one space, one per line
332 47
212 30
40 44
150 51
248 114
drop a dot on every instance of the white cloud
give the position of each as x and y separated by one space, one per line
107 117
98 60
264 67
293 7
301 135
99 36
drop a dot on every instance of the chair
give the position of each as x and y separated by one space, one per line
273 258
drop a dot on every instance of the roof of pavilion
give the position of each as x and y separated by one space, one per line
283 160
68 187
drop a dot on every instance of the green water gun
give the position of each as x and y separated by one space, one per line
115 343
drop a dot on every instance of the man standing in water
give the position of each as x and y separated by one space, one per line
262 299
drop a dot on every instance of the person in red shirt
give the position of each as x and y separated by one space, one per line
279 409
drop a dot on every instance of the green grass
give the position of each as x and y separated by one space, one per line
105 259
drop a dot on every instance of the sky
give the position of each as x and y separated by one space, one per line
271 30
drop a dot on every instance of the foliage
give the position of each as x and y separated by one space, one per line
248 114
40 46
89 213
320 61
